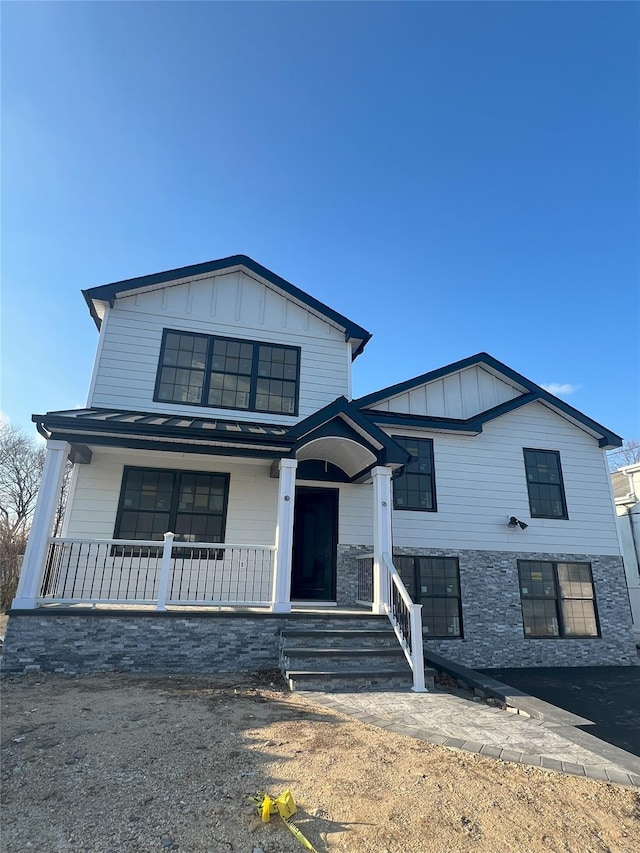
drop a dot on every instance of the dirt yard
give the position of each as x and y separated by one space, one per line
131 763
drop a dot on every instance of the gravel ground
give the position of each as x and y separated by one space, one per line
135 763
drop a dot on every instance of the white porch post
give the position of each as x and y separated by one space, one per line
382 540
281 597
42 525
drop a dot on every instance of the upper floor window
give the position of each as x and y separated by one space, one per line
557 599
205 370
544 481
415 488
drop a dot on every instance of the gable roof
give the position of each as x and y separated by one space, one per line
530 393
110 292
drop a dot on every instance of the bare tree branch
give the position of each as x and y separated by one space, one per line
628 454
21 464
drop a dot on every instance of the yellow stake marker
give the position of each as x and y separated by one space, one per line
285 806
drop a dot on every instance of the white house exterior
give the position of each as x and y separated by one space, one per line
221 461
626 491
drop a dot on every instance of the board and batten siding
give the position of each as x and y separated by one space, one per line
462 394
253 495
481 482
231 305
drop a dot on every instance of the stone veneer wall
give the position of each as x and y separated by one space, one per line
492 614
347 574
76 641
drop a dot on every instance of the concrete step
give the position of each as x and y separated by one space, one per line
336 621
339 638
331 681
310 658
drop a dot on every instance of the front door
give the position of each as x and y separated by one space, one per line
315 540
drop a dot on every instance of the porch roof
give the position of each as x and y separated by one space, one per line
339 434
157 431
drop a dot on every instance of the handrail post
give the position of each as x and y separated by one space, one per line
165 569
417 652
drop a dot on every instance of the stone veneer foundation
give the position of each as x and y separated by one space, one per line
492 614
83 640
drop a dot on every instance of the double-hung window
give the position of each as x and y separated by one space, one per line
544 482
558 599
415 488
434 582
191 504
225 373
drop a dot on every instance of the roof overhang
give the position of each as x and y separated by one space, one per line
530 392
149 431
98 298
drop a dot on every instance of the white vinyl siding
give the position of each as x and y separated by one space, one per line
481 481
251 512
462 395
233 305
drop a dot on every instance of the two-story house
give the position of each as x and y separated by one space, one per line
225 480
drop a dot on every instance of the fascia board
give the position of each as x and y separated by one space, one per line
109 292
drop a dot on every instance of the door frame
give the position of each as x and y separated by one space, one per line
335 498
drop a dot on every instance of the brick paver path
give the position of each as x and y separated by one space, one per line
459 723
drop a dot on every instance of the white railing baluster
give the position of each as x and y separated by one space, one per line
129 571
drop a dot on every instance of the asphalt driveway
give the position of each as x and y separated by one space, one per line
609 696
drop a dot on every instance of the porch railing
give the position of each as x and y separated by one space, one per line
404 615
119 571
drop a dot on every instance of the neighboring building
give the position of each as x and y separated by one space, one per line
626 493
220 409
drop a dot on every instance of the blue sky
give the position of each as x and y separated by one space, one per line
455 177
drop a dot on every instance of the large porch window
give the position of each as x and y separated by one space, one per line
191 504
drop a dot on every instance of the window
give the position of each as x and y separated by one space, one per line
434 582
191 504
203 370
557 599
544 481
415 488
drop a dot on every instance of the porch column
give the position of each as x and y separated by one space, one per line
42 525
382 539
281 597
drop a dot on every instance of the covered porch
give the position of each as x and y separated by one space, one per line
270 532
302 477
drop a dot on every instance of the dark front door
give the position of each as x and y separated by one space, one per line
315 540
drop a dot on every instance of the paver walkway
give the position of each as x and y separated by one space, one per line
449 720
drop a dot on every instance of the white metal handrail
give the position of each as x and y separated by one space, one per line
406 619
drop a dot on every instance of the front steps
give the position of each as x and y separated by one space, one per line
345 655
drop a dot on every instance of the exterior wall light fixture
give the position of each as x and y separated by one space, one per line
514 522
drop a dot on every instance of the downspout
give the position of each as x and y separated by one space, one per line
634 541
630 516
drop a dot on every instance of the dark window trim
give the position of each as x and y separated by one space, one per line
419 598
400 439
562 635
565 516
207 372
174 498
